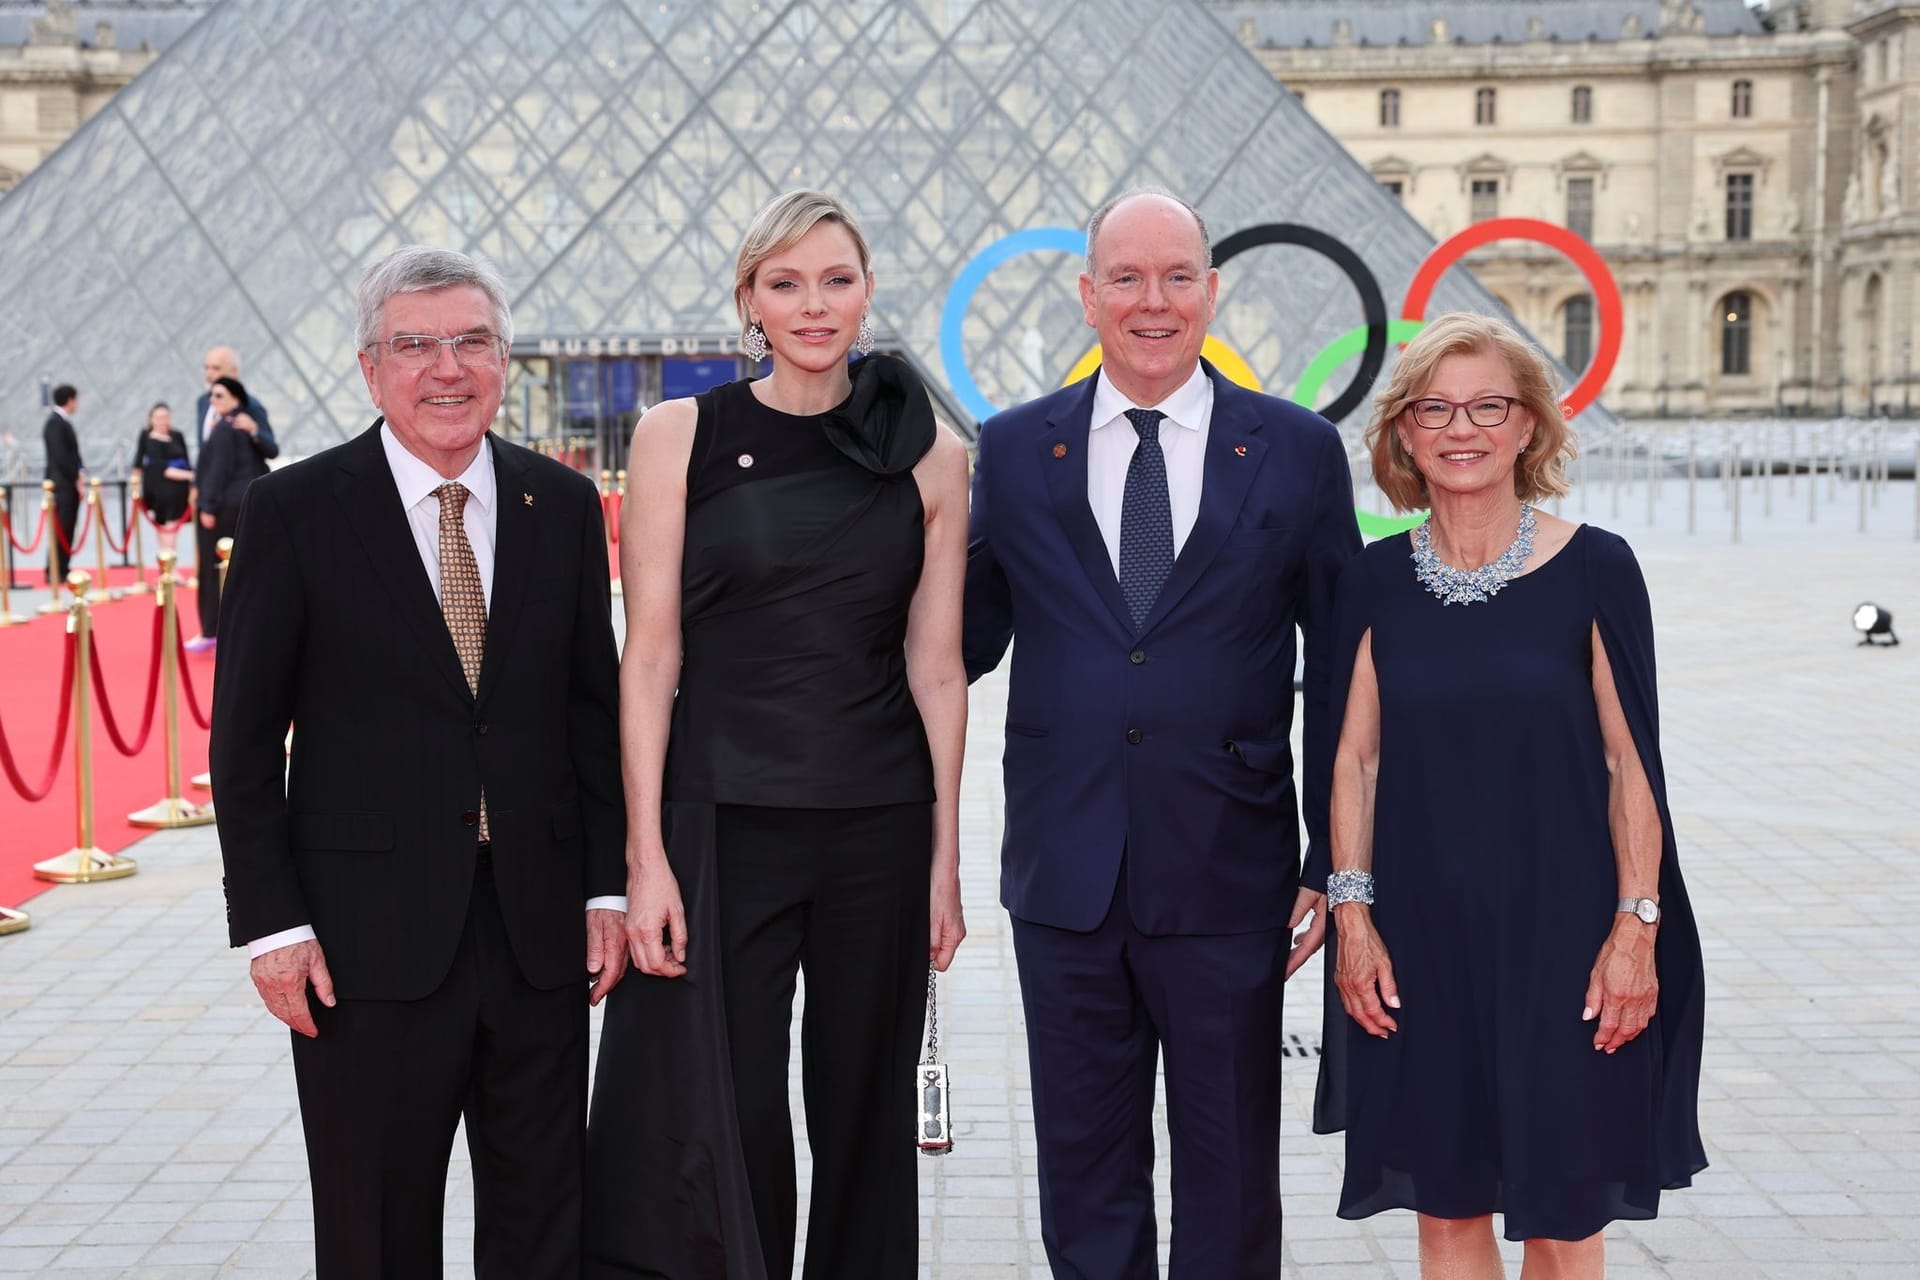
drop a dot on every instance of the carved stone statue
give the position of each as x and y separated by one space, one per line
1850 206
1889 183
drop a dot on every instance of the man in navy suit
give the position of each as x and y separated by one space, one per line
1152 536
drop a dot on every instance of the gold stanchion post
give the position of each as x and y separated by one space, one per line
52 603
6 567
224 549
135 493
12 921
83 863
101 592
620 505
171 810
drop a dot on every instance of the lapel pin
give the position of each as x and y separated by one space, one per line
1239 451
745 459
1060 451
527 498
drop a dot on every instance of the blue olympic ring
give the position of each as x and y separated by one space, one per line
953 316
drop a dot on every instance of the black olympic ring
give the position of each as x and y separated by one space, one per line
1373 306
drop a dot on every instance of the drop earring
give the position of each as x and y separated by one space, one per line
863 341
753 343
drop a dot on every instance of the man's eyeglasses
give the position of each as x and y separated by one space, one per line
1482 411
418 350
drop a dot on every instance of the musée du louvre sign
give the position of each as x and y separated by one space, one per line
707 346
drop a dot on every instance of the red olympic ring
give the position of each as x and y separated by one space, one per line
1606 290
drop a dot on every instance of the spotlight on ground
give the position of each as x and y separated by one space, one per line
1870 620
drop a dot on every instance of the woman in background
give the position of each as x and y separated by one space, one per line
228 464
166 474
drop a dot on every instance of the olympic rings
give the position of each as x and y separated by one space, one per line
1606 290
1373 307
1376 331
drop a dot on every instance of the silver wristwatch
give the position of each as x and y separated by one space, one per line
1646 909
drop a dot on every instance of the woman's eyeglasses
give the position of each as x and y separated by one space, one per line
1436 414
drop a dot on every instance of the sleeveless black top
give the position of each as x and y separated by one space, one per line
804 543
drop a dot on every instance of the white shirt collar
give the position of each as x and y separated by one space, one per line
417 481
1186 407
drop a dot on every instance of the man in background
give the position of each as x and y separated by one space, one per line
67 471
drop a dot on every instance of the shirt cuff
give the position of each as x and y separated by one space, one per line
610 903
275 941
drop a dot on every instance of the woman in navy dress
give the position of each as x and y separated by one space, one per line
792 716
1515 1017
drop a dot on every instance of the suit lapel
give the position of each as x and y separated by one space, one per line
1063 461
367 491
514 536
1235 452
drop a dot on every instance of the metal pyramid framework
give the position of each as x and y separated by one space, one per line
608 155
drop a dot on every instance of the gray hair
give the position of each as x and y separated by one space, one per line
421 268
1133 193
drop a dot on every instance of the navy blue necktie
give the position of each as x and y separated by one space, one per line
1146 520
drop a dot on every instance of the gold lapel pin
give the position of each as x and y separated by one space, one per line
1239 451
1060 451
528 498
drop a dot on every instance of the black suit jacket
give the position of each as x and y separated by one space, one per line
263 443
331 625
229 464
63 454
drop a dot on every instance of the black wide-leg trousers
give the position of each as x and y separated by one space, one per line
385 1084
842 896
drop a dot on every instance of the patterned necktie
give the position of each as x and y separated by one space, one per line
463 599
1146 520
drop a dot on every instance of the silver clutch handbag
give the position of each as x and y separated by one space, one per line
933 1131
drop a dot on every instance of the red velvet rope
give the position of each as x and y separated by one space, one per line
12 770
120 743
186 684
79 534
126 534
39 532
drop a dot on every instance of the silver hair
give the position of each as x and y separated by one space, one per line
1133 193
422 268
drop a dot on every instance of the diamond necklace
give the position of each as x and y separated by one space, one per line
1471 586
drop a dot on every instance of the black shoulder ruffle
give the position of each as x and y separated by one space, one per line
886 425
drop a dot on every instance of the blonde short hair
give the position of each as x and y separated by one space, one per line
781 224
1541 471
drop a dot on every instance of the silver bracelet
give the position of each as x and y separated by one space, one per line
1350 886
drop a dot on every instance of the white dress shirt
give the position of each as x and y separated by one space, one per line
206 423
416 482
1183 441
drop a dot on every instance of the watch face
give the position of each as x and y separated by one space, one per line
1647 909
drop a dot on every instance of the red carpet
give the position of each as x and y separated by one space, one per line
30 666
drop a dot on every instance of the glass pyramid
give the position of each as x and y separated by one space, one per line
608 154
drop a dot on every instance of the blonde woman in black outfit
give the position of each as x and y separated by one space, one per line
793 707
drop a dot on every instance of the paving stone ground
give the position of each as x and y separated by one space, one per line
147 1117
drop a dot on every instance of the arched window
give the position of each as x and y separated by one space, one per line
1742 99
1736 333
1483 102
1577 352
1389 108
1582 104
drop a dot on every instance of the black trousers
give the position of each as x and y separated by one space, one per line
66 513
841 894
207 566
1102 1009
385 1084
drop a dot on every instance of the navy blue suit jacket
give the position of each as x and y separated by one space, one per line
263 444
1170 747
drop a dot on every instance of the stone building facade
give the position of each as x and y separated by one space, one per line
1749 175
61 61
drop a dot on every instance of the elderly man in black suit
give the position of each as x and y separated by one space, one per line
67 470
430 884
